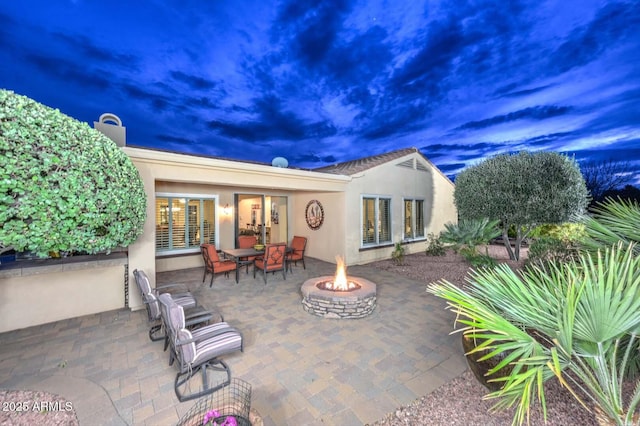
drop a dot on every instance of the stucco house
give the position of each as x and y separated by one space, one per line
357 209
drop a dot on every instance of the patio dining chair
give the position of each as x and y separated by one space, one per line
198 351
298 244
213 264
245 242
273 260
195 314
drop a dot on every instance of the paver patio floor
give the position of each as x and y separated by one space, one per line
303 369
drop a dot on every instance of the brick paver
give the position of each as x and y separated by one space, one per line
303 369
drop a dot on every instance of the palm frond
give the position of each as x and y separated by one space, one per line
587 313
612 221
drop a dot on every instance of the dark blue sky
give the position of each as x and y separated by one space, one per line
319 82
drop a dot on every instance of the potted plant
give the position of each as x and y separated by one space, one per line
586 317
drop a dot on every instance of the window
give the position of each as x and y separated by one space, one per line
413 219
183 223
376 221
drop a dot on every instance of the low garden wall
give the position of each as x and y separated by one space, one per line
34 292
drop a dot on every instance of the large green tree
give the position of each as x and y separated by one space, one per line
522 191
64 187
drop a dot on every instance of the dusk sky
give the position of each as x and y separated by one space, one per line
320 82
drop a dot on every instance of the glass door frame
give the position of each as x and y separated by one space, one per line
261 221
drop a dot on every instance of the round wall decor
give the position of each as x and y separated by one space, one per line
314 214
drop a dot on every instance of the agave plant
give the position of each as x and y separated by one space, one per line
612 221
579 312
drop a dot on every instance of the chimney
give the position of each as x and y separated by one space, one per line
111 126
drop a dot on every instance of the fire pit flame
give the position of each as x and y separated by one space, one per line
340 282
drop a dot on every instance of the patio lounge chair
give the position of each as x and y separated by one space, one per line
198 351
298 244
272 260
195 314
213 264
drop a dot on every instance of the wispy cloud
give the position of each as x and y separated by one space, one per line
327 81
532 113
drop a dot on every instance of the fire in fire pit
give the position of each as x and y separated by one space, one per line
340 282
339 296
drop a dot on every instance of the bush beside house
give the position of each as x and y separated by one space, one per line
64 187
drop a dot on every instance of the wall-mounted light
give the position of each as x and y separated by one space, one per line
227 209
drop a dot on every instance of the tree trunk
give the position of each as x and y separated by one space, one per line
507 244
518 242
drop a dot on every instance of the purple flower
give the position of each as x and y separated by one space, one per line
210 416
229 421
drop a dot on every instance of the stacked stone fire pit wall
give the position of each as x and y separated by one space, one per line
335 304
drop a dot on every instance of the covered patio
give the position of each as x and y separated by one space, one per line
303 369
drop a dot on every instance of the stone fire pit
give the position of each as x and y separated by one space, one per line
356 303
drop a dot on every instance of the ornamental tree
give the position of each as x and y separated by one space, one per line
522 191
64 187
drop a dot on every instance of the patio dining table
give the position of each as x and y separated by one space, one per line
239 254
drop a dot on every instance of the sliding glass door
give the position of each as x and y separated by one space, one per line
262 215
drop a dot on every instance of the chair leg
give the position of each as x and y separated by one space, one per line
152 333
183 378
211 282
303 265
205 274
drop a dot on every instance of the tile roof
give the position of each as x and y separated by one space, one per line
361 164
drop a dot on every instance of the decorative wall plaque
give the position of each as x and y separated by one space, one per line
314 214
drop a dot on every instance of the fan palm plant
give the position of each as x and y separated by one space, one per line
612 221
470 232
579 313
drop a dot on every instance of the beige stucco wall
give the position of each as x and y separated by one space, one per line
39 295
328 240
398 183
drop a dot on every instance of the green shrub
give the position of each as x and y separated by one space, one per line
64 187
466 235
548 249
470 233
555 242
477 260
397 255
435 247
568 231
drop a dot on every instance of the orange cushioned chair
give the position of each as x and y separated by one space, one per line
273 260
213 264
245 242
298 244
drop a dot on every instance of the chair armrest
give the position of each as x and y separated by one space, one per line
198 319
166 288
208 335
178 295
